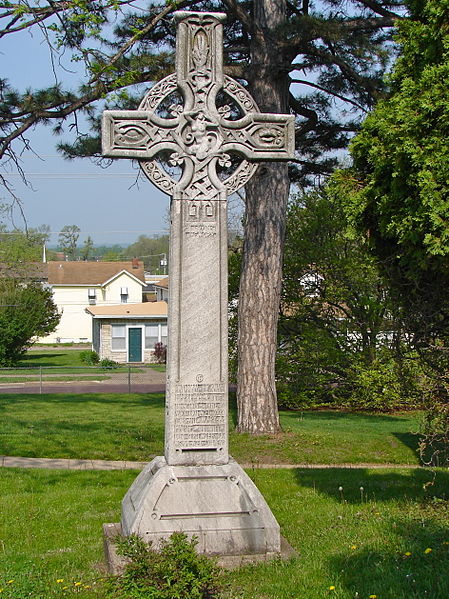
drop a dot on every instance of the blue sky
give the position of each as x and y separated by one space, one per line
104 203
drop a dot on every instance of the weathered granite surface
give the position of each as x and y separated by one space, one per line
219 504
196 487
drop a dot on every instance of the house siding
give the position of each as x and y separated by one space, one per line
121 356
75 324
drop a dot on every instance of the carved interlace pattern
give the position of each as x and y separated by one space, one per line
197 136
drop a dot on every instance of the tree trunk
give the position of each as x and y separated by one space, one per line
266 202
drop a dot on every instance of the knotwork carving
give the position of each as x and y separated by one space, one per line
198 136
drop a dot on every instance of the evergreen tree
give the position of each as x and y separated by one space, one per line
398 189
335 50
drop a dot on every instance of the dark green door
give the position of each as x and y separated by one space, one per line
135 345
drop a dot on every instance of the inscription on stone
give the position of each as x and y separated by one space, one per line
199 417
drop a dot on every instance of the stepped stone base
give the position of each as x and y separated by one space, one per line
218 504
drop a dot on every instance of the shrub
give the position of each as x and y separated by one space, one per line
89 357
160 352
108 364
174 571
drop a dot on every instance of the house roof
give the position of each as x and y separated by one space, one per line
24 271
162 283
91 273
145 309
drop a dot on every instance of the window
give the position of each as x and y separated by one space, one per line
92 296
124 295
151 335
118 337
154 333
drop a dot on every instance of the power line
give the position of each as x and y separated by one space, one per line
74 175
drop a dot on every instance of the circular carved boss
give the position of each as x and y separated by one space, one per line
157 175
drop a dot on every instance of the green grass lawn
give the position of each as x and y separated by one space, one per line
131 427
389 540
52 357
63 362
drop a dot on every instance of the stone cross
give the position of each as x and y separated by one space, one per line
199 137
206 125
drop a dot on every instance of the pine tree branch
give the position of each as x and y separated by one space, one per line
308 113
346 70
135 38
53 112
236 9
379 9
296 44
329 91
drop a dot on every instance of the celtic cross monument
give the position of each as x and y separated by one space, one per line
209 132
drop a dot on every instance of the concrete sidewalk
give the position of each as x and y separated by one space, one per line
74 464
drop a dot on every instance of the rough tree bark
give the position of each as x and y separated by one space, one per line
265 216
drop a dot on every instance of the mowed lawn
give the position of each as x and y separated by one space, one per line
358 533
131 427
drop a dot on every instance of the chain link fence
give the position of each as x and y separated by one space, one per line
126 378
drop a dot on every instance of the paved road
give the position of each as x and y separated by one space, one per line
84 387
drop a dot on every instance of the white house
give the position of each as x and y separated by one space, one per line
161 289
77 285
128 333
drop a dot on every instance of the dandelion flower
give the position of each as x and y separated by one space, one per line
340 488
77 584
428 550
373 597
10 581
64 588
59 580
332 588
353 547
87 586
407 553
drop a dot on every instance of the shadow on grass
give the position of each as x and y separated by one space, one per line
53 399
410 440
410 563
338 416
359 485
43 359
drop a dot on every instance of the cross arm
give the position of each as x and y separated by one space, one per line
261 136
136 134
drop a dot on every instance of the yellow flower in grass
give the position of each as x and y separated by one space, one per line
59 580
10 581
64 588
332 588
1 590
373 597
78 584
428 550
353 547
407 553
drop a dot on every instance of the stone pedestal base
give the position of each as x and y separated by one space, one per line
218 504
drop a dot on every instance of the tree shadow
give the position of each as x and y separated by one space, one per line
360 485
412 564
36 359
339 415
113 399
410 440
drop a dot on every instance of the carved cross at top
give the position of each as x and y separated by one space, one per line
199 136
